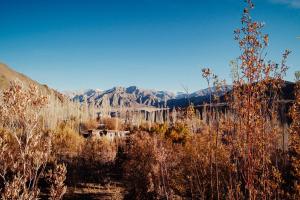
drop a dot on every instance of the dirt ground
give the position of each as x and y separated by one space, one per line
91 191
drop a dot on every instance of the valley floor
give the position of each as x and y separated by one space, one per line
105 185
93 191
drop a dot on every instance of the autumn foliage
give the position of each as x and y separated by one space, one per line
236 154
25 147
240 149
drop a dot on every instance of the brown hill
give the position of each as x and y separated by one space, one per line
7 75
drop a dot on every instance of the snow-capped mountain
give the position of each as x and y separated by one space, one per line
72 93
122 97
204 92
133 97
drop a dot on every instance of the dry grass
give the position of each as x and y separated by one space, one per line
67 141
98 151
90 124
111 191
113 123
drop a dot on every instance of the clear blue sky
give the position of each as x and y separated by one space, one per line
160 44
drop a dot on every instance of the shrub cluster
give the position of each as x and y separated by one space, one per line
25 147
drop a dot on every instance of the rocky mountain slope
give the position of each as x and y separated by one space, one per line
135 97
7 75
129 97
124 97
116 97
197 98
203 96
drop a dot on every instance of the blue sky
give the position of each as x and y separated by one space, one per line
159 44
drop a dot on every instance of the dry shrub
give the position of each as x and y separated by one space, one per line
56 178
145 126
144 168
235 156
207 171
67 141
294 147
158 167
90 124
160 129
95 160
178 133
113 123
254 126
24 146
99 151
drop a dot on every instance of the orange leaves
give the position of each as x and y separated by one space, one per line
294 147
23 161
57 178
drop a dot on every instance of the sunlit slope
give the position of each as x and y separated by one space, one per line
7 75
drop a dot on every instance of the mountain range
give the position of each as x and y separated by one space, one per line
116 97
137 97
126 97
